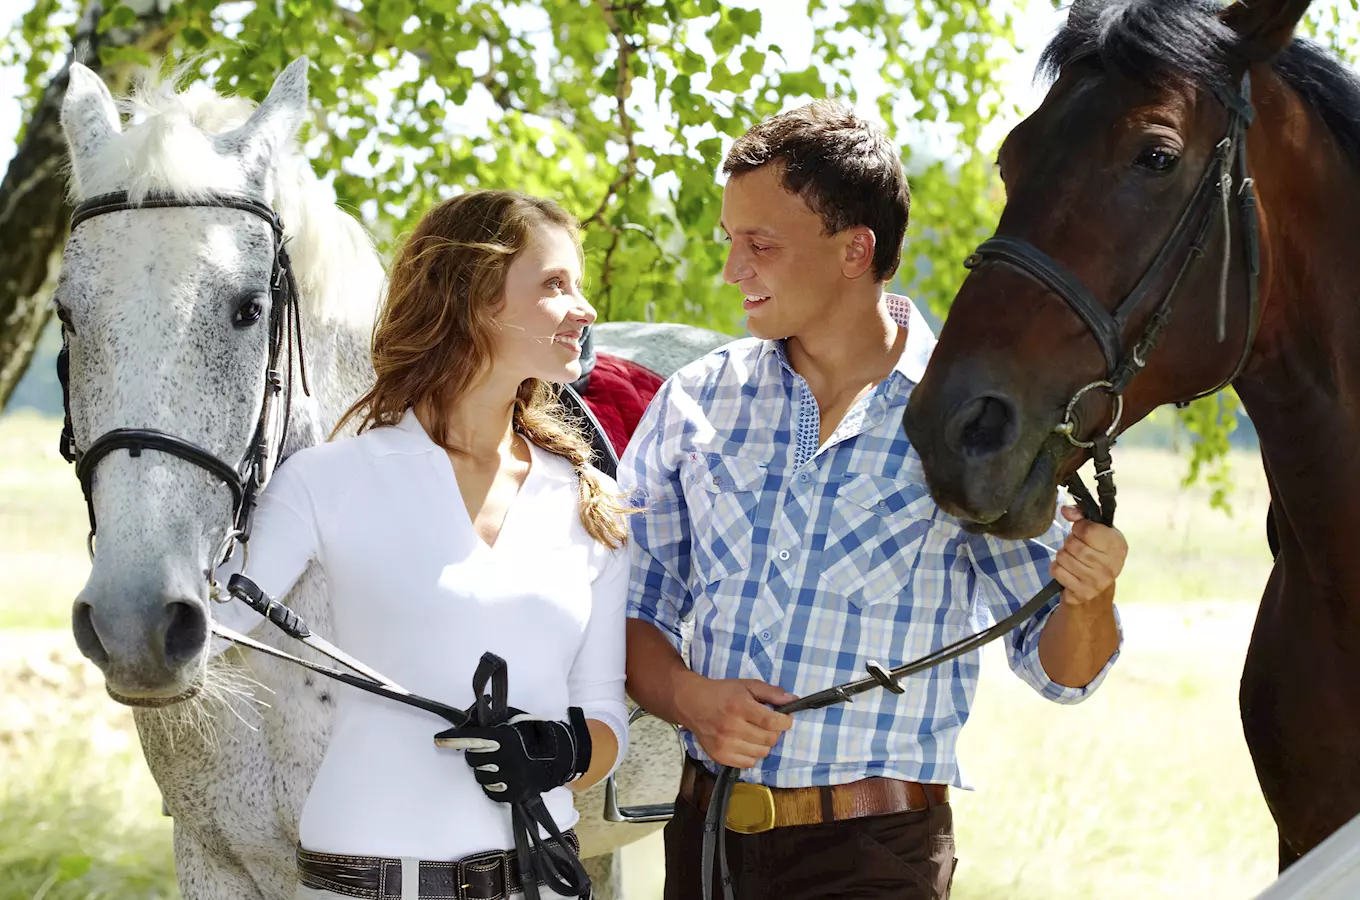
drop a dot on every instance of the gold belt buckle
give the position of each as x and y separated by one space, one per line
751 810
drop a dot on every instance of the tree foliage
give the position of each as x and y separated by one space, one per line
620 109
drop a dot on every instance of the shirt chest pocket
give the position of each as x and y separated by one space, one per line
723 496
877 529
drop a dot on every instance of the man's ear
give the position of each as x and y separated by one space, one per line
1264 27
859 252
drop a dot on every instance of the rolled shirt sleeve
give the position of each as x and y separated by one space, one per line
1009 574
649 475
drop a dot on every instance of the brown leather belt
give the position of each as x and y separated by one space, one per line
493 875
756 808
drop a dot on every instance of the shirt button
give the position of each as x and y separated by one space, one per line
804 477
784 556
883 504
765 635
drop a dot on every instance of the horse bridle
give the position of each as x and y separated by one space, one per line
1212 197
1210 203
248 477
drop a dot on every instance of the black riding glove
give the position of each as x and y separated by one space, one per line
526 756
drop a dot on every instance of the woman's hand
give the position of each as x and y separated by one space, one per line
525 757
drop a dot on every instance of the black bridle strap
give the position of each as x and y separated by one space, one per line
285 324
1107 328
1251 248
1209 204
1059 280
119 201
135 440
454 716
1197 217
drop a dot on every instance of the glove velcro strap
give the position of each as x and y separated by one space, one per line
580 736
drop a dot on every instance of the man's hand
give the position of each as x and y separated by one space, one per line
731 718
1090 559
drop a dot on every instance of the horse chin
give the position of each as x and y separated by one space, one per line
188 693
142 699
1030 510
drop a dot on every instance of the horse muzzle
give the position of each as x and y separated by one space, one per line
152 651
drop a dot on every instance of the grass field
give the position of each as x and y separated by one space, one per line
1145 791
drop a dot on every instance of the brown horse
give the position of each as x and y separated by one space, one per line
1165 274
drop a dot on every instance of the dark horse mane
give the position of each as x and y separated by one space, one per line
1164 42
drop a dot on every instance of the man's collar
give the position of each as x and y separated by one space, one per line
920 339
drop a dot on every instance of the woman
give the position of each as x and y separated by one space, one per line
463 518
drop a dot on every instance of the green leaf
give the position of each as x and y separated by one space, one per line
747 21
72 867
752 61
120 16
691 63
724 36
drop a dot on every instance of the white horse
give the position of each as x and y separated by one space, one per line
151 302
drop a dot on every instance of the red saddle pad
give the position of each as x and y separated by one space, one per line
618 394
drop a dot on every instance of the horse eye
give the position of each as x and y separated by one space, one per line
64 317
1158 159
248 312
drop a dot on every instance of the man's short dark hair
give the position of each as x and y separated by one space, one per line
844 167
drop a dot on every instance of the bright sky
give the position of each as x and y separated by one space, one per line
785 24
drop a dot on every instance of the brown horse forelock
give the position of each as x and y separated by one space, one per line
1006 337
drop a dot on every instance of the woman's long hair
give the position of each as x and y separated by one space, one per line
435 335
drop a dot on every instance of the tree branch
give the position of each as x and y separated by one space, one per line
499 93
622 89
33 207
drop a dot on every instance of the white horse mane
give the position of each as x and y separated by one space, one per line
168 147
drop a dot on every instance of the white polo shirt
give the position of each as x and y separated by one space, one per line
419 596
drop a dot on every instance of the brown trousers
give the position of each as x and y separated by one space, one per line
906 856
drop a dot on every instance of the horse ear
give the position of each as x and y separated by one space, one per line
1264 27
273 125
89 117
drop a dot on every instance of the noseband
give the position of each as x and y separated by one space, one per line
248 477
1210 203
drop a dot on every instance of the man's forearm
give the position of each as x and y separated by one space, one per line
1078 640
654 668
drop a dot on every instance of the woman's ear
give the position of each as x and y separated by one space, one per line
1264 27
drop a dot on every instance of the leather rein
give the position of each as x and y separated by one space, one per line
549 860
1210 203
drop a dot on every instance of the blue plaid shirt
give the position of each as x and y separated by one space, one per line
798 565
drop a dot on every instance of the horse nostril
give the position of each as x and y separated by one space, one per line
87 638
983 426
186 632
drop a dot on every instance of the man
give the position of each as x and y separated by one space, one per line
785 516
